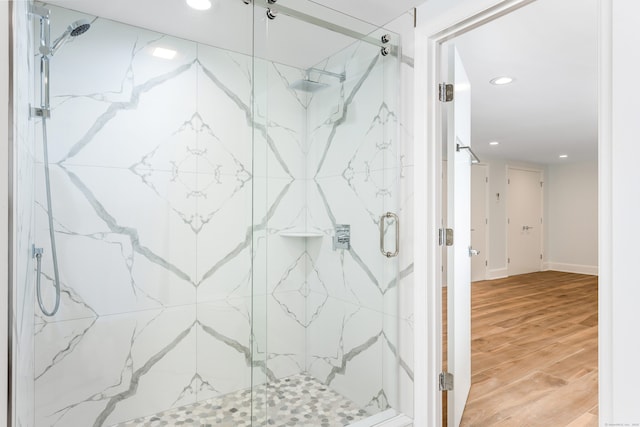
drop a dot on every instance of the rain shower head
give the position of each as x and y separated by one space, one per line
308 86
75 29
311 86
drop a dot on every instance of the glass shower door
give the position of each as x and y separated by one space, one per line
325 236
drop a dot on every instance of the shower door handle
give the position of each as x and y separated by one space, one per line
397 222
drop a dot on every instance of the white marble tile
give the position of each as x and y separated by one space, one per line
223 102
100 250
123 365
91 108
344 350
227 278
231 72
352 137
224 348
362 211
286 333
225 235
143 133
347 279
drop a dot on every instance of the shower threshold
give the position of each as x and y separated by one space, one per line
299 400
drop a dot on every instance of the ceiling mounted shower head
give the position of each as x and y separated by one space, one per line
311 86
75 29
308 86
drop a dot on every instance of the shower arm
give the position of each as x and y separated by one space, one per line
341 76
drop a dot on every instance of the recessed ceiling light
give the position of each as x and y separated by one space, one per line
494 143
563 156
164 53
199 4
503 80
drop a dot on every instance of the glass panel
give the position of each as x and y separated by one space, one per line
23 204
151 178
197 190
327 98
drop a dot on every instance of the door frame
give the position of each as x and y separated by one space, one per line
508 168
487 215
436 22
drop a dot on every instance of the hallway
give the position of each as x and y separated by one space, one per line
534 351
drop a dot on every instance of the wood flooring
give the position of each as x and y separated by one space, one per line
534 351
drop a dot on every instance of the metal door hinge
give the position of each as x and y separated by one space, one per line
445 92
445 236
446 381
448 233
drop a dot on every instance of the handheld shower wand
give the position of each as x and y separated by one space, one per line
47 50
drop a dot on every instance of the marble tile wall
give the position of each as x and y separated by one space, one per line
360 343
151 163
169 202
23 214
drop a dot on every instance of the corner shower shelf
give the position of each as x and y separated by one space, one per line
300 233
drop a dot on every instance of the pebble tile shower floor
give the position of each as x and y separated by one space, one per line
299 400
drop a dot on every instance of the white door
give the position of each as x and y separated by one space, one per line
524 213
458 260
479 221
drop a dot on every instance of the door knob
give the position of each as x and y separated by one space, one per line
473 252
526 228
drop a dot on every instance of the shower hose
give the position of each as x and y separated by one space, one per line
54 253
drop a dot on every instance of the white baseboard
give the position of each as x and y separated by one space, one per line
497 273
571 268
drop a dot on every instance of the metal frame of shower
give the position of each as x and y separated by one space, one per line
10 220
333 27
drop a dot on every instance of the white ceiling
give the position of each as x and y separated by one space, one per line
550 48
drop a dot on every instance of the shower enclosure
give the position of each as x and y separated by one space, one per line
227 209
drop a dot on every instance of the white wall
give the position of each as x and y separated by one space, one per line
620 286
498 213
570 215
571 231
